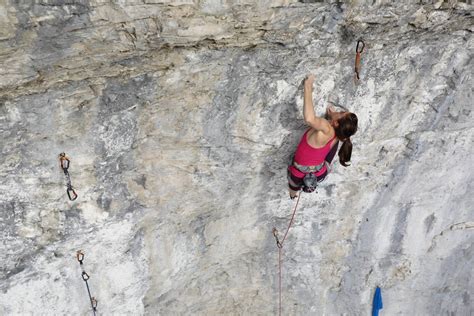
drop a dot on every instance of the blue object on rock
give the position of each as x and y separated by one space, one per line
377 304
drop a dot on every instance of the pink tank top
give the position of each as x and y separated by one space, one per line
306 155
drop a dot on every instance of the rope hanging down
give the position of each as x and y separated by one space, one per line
85 277
64 163
359 50
280 249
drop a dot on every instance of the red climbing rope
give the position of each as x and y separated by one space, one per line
280 248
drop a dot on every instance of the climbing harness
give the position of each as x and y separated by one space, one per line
359 49
310 179
64 163
307 169
85 277
279 244
310 182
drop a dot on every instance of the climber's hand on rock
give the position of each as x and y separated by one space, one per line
309 79
330 110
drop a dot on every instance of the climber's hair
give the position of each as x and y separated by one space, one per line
347 126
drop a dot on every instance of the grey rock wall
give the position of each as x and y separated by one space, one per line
180 118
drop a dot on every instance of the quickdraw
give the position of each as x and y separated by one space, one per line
275 234
80 256
359 50
86 277
64 163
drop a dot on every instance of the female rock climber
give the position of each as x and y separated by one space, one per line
319 144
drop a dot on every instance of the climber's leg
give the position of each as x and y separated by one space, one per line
294 184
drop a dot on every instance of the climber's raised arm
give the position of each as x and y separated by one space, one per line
310 117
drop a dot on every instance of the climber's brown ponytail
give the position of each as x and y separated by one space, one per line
345 152
347 126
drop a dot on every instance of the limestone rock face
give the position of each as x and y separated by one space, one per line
180 118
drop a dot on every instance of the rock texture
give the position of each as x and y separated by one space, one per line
180 118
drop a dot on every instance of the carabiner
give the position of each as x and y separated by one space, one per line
357 47
94 303
64 161
85 276
275 234
80 256
65 164
71 193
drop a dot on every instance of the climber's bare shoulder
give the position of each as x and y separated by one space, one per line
319 138
319 124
